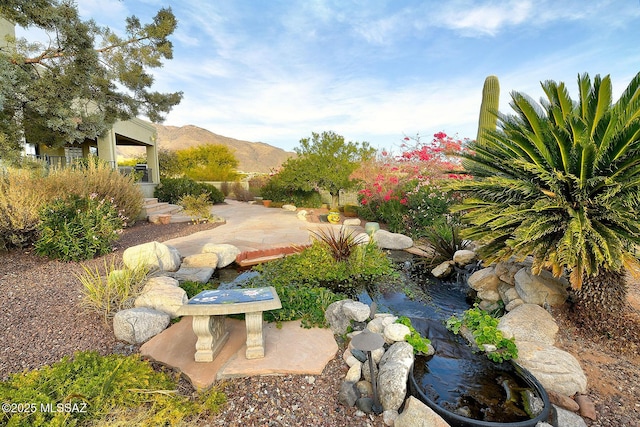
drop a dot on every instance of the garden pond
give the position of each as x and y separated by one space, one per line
464 386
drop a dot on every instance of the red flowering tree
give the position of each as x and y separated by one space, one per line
403 190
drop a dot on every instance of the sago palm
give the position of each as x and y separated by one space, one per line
560 181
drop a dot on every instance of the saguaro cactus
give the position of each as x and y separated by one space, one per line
489 106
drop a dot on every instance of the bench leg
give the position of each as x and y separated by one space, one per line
255 339
212 335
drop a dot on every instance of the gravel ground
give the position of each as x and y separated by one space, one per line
42 322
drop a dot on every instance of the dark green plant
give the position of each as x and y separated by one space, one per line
485 332
78 228
560 181
419 343
341 244
194 288
444 238
311 280
171 190
277 190
489 107
108 389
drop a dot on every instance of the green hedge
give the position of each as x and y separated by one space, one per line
171 190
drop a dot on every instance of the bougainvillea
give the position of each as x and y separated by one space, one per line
403 190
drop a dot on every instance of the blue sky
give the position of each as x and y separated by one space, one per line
373 70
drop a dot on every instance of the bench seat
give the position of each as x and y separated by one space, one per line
209 309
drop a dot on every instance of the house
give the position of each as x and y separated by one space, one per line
134 132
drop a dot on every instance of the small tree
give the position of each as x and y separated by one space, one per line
83 80
325 161
209 162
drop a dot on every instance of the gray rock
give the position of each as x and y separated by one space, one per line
355 310
393 374
359 354
338 322
540 289
348 394
395 332
417 414
529 322
209 260
557 370
226 253
463 257
365 404
565 418
365 388
387 240
153 255
163 297
290 208
137 325
193 274
366 370
443 270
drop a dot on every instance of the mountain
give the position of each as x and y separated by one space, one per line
252 156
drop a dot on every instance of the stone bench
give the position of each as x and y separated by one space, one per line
209 309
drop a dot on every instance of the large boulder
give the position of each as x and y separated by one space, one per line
396 332
393 372
163 297
463 257
486 283
388 240
137 325
338 322
557 370
529 322
159 280
226 253
540 289
205 260
152 255
416 414
356 310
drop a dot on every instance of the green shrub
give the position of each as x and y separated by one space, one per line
484 328
276 191
309 281
78 228
197 207
101 390
240 193
111 290
21 199
172 189
194 288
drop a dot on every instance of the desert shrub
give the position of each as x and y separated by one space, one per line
97 177
240 193
101 390
197 207
21 198
256 183
225 187
78 228
172 189
113 289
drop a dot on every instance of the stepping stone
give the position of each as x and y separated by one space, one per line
193 274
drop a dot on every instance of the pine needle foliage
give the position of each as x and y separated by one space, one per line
560 180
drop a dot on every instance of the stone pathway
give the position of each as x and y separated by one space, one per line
288 350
